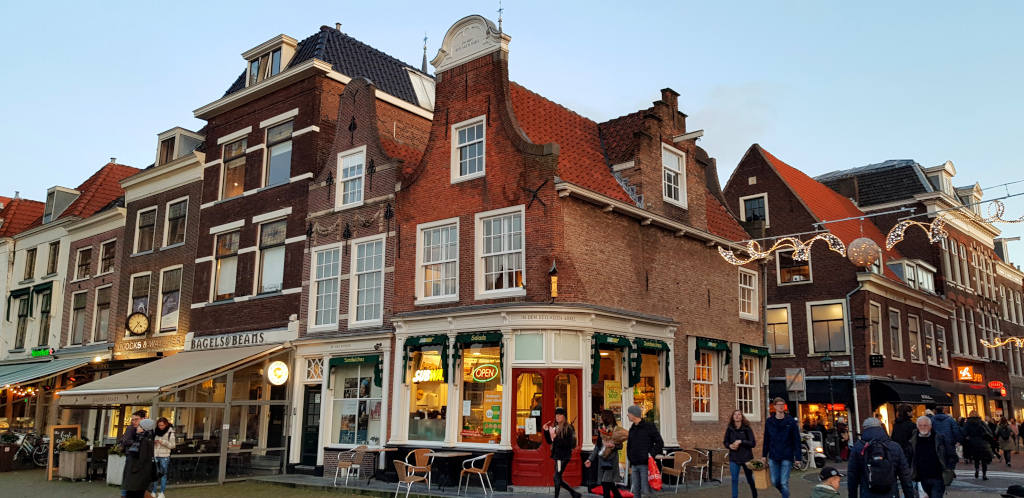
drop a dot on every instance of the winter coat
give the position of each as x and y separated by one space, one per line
902 430
1004 436
644 441
940 452
745 435
162 445
781 439
605 473
824 491
127 438
563 444
951 433
978 439
856 480
139 469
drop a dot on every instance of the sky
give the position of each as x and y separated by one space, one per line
822 85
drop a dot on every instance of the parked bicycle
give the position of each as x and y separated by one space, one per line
32 449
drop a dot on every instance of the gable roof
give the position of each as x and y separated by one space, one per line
4 200
618 135
581 159
880 183
825 204
95 193
354 59
18 214
721 222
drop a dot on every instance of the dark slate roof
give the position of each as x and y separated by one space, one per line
889 181
354 59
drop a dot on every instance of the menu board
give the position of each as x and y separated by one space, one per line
58 433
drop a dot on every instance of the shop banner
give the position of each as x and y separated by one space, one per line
367 359
606 342
651 346
462 340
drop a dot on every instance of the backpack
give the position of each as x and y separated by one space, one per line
1004 432
879 473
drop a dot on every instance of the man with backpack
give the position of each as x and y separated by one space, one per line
876 462
951 433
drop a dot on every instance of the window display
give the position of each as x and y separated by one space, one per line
356 417
428 404
645 392
606 393
481 394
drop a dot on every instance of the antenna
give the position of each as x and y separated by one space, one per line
424 65
501 10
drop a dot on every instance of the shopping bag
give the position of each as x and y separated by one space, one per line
653 474
761 479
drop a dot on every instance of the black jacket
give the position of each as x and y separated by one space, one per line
856 480
563 444
745 435
940 452
644 440
978 440
902 430
139 468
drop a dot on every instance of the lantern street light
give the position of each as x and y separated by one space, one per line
826 365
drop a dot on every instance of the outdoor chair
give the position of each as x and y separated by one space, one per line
350 460
698 461
98 462
678 468
469 468
421 463
407 476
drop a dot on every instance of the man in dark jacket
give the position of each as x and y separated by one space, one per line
857 480
951 433
929 455
903 428
644 441
781 446
129 437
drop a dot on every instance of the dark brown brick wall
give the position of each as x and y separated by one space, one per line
90 285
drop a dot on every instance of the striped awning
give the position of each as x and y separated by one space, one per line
38 371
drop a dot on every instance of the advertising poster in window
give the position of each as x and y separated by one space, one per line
492 415
352 387
169 308
364 387
613 397
375 409
349 411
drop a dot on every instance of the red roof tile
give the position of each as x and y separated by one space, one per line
721 222
99 190
18 215
619 139
401 150
826 204
4 200
581 160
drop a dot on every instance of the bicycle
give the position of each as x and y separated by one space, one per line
32 450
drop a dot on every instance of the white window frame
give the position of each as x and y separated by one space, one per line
755 299
85 322
911 320
681 202
743 207
876 335
215 270
222 187
158 319
131 291
354 281
910 275
420 276
339 182
455 165
78 261
940 338
789 323
99 266
755 387
711 415
338 315
778 269
897 346
265 179
257 284
478 265
96 310
810 328
930 344
138 216
167 224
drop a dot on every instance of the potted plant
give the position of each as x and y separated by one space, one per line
74 458
8 447
115 465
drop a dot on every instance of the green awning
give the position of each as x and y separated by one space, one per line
652 344
418 343
369 359
649 346
604 341
468 338
18 294
715 345
43 287
746 349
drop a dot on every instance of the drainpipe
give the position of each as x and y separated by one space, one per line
853 363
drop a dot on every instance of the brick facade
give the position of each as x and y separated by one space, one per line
90 285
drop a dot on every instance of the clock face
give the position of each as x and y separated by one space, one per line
138 323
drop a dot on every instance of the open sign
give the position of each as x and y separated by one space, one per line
485 373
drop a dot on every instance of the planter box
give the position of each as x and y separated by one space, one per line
73 465
7 452
115 469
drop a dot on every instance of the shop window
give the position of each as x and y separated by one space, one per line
357 405
244 426
234 169
116 425
170 300
646 392
481 394
367 283
140 294
779 339
746 387
78 317
19 337
227 265
875 319
279 150
530 347
828 329
428 406
45 316
272 237
99 333
606 393
914 336
703 398
748 294
971 402
792 271
328 267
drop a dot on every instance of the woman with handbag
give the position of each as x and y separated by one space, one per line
163 443
606 454
139 469
562 438
739 438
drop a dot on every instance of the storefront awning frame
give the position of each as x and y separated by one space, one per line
39 371
650 345
488 337
747 349
376 360
885 391
608 341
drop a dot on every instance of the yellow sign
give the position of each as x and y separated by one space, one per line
613 397
433 375
277 373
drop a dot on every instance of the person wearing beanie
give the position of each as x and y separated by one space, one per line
644 442
857 471
829 486
139 468
781 446
562 438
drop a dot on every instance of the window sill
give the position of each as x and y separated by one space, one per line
143 253
783 355
220 302
679 204
172 246
830 353
49 276
345 207
327 327
266 294
14 351
436 300
752 318
365 325
104 273
268 187
702 417
800 282
501 294
466 178
897 359
28 281
87 277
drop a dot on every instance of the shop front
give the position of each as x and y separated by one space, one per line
1018 403
487 381
29 391
887 395
229 408
823 404
969 391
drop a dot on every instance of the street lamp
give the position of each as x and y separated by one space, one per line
826 365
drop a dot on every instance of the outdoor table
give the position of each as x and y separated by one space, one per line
444 475
711 462
377 472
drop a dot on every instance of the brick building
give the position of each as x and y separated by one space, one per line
971 272
884 327
516 198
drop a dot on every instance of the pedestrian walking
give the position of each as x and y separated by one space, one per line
1004 439
829 486
128 439
993 426
876 464
903 428
163 443
139 469
978 439
606 454
739 438
562 438
644 442
951 433
781 446
1015 428
929 463
843 433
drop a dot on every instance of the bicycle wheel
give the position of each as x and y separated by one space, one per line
805 454
41 455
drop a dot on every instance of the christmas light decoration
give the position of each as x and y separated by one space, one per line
998 217
864 252
936 231
999 342
801 249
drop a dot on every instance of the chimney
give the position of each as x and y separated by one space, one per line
113 159
17 194
847 187
337 26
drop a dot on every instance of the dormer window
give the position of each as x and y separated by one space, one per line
57 200
167 150
176 143
48 210
264 66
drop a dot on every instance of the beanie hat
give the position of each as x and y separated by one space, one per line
872 422
560 411
147 424
635 411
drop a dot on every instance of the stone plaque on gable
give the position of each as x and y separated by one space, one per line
469 38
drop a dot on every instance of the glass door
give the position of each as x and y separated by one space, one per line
538 393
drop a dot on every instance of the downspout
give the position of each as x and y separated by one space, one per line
853 363
764 332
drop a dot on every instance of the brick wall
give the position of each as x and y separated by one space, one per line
89 285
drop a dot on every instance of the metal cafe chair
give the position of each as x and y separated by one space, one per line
407 476
469 468
350 460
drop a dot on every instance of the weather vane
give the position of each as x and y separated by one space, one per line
501 10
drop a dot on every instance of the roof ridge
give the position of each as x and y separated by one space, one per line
328 29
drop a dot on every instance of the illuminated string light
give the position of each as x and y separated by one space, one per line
999 342
936 231
801 249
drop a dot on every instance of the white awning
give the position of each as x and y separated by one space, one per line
37 371
141 384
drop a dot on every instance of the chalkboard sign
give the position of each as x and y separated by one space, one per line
58 433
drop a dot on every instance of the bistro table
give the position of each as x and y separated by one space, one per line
378 473
444 478
711 462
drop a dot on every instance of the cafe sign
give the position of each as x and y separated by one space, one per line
485 373
966 373
431 375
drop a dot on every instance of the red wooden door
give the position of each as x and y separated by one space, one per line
537 393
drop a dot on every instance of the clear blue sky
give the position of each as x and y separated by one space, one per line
822 85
